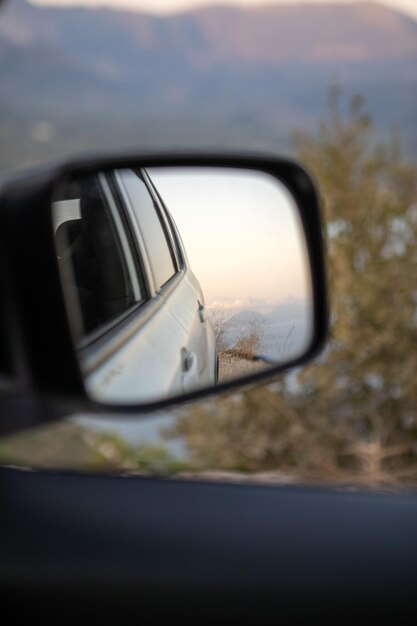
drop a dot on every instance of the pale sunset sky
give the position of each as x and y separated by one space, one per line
409 7
242 234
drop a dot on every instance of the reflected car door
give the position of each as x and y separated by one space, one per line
163 346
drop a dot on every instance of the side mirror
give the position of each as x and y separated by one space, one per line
158 278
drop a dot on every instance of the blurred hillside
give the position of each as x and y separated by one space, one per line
75 79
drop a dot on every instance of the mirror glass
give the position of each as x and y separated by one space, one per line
179 278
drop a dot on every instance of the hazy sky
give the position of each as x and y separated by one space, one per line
407 6
242 235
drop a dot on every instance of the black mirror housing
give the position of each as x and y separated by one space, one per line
38 329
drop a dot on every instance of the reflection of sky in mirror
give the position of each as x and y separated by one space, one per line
242 234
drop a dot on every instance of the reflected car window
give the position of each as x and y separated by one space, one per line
91 254
154 238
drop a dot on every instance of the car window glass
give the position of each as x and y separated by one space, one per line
91 255
154 239
170 226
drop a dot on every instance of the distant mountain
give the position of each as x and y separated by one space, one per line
268 34
285 312
246 317
289 311
213 76
284 331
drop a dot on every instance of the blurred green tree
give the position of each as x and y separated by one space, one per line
353 414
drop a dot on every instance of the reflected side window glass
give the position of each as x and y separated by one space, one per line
170 227
154 238
90 253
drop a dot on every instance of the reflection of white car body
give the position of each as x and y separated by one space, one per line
144 333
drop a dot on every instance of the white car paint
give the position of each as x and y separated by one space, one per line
164 345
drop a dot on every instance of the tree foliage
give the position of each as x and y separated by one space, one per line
352 413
